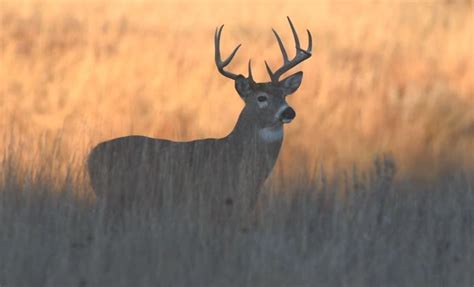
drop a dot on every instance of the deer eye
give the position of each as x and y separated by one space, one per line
261 99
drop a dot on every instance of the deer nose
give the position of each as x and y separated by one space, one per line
288 114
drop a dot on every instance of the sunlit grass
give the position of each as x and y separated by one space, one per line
386 77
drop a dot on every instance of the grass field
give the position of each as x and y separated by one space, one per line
391 77
365 231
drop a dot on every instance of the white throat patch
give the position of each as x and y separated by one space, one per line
271 134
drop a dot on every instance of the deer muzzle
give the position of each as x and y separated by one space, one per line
287 115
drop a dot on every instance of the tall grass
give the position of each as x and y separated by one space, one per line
362 230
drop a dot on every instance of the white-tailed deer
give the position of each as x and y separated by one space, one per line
225 171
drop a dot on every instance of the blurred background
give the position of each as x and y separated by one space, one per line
386 77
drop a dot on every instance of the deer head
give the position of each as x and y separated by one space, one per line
267 101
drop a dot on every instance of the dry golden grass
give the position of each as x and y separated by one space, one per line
385 77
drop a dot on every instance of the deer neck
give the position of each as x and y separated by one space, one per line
250 135
258 147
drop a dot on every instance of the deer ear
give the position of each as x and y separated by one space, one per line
242 85
291 83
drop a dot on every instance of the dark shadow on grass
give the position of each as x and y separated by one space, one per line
366 228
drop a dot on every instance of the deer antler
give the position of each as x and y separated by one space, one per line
222 64
300 56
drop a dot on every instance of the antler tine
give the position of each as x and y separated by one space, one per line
300 56
250 71
310 42
219 63
282 48
269 70
295 35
